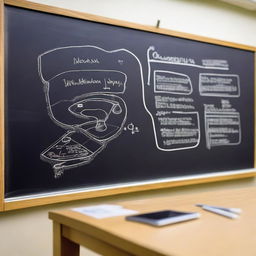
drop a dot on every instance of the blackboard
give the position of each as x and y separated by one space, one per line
90 105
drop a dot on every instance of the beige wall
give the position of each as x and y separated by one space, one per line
28 232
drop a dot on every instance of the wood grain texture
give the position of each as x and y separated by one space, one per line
36 201
91 243
254 109
2 134
114 191
56 239
61 245
210 235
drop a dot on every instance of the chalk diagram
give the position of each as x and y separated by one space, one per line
174 116
84 100
175 120
85 87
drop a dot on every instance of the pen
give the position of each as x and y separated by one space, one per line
233 210
220 212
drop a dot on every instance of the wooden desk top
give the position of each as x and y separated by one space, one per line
210 235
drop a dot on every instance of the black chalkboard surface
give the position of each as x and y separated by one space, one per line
91 104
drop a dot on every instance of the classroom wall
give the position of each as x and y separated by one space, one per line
28 232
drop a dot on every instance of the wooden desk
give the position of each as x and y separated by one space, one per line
211 235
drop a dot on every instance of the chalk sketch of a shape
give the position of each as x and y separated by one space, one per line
77 102
108 114
71 150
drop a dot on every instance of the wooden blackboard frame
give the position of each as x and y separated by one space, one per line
37 200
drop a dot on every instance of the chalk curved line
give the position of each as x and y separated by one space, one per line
95 70
39 58
112 51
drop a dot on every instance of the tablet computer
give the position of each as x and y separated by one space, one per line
165 217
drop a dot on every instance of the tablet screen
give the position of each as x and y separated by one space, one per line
161 215
164 217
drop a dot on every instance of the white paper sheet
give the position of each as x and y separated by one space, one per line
104 211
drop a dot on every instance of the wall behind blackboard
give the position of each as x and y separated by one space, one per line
90 105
